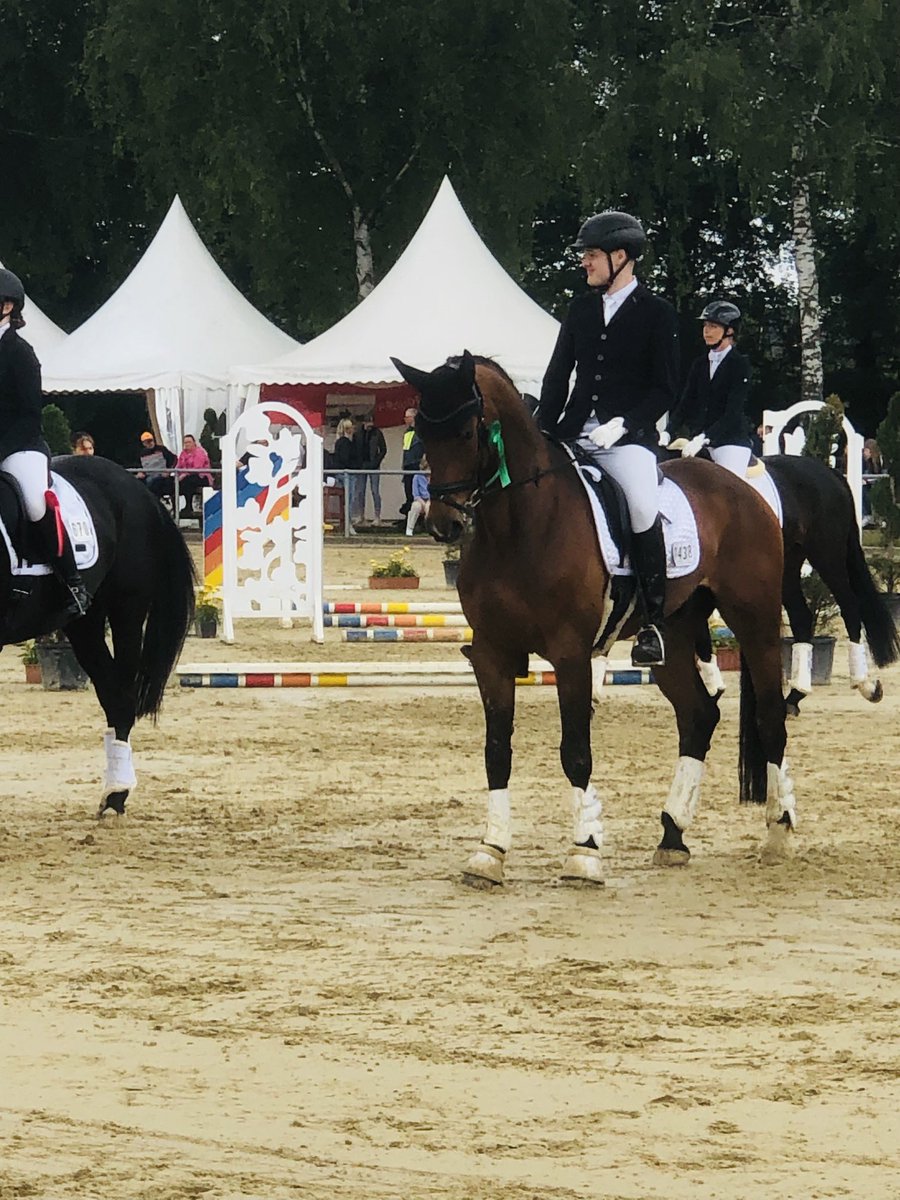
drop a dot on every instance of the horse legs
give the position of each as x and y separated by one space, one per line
574 691
837 580
697 714
496 676
113 678
800 620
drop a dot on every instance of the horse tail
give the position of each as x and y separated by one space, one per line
752 770
170 613
881 632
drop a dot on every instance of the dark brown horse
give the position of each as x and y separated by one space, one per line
532 580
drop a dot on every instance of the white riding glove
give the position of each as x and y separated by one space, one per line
605 436
694 446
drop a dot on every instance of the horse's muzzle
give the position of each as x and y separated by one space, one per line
443 525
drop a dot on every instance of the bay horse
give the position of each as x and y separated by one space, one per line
819 526
532 579
142 586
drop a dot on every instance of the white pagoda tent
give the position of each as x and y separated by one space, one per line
43 334
172 329
445 293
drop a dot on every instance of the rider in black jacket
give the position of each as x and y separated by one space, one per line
622 342
23 452
713 407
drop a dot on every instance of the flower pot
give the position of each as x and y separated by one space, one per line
393 581
822 659
728 658
892 603
32 672
60 670
206 627
451 571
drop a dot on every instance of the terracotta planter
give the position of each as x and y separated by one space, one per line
728 658
393 581
32 672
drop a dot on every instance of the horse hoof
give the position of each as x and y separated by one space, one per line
778 846
114 802
873 692
485 868
666 857
583 865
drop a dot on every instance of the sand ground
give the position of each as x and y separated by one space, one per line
268 980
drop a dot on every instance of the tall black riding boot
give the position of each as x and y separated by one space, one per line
648 552
63 564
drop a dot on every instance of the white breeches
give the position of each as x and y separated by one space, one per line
33 476
732 458
418 508
634 470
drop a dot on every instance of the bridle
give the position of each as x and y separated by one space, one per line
488 436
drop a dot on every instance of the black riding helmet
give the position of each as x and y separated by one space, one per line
612 231
721 312
11 289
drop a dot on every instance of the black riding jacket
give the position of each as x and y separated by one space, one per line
625 369
717 406
21 400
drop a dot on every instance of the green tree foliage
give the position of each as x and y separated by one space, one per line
56 430
286 128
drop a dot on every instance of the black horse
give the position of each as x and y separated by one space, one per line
819 526
142 585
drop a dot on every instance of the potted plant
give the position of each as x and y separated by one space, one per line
451 564
394 572
206 612
725 646
824 609
29 657
60 669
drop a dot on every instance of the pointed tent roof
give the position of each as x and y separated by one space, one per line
444 294
176 321
43 334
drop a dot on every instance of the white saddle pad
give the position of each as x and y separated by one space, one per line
765 485
679 529
77 520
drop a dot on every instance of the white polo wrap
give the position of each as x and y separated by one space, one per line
684 794
780 797
498 831
586 810
801 667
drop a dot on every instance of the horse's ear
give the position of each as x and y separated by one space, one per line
413 376
467 368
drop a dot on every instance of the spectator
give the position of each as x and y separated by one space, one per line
154 461
872 464
371 450
192 458
412 456
82 443
344 459
420 498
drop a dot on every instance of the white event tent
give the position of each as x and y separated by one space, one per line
172 329
445 293
42 333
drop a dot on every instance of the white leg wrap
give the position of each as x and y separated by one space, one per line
120 774
598 675
498 832
801 667
586 810
859 665
684 794
711 676
780 797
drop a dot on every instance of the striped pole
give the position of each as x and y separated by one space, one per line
421 674
406 635
375 607
399 621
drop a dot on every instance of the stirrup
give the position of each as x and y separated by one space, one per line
78 600
649 649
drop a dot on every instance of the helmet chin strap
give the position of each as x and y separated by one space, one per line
613 273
